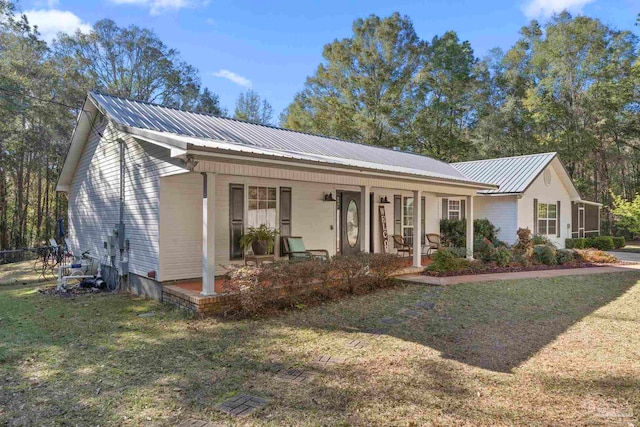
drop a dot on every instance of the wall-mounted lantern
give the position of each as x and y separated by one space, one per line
329 197
384 200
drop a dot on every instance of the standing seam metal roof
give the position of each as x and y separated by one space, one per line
164 119
512 174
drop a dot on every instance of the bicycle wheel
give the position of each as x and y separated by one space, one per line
37 265
50 268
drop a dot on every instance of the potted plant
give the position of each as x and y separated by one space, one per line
261 240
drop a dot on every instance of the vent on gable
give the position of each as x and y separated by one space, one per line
547 177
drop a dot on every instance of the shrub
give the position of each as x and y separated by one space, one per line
290 284
446 260
603 243
502 256
251 290
483 250
619 242
589 242
453 231
484 229
545 254
540 239
595 256
524 247
461 252
575 243
564 256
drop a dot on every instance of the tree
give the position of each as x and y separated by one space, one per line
251 108
627 213
363 90
131 62
35 125
446 87
580 86
209 103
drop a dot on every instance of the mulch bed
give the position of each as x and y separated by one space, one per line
512 269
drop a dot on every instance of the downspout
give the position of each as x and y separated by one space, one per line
123 269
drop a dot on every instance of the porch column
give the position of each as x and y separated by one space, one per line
364 218
469 216
208 233
417 233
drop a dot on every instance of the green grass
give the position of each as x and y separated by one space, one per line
536 352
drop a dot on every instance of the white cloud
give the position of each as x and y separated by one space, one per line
53 21
156 7
230 75
545 8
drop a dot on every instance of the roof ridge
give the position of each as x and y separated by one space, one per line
504 158
155 104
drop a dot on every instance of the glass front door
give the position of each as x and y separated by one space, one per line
350 226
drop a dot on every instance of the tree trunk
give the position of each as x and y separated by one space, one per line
4 228
38 231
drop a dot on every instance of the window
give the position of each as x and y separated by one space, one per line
547 218
407 219
454 209
262 207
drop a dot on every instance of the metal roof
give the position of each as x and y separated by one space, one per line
512 174
210 130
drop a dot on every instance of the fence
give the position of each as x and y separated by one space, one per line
18 255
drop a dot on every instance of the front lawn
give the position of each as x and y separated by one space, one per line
539 352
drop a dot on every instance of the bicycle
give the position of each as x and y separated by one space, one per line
49 258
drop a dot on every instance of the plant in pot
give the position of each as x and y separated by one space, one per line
260 239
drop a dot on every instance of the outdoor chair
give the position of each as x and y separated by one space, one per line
401 246
295 249
434 243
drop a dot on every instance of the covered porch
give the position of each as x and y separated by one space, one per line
203 214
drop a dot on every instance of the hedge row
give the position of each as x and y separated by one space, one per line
603 243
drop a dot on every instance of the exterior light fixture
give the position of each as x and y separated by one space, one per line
329 197
384 200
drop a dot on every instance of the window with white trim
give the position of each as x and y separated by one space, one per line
547 218
262 207
407 219
454 209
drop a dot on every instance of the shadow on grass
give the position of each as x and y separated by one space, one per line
496 325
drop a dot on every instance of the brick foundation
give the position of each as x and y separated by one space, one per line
199 305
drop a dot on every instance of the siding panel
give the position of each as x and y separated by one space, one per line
94 196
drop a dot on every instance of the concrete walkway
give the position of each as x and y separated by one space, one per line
626 256
476 278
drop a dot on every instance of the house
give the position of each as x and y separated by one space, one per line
162 195
534 191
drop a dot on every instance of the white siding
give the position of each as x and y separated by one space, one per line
94 196
554 192
312 218
181 226
502 211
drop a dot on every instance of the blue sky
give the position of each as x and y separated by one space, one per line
273 46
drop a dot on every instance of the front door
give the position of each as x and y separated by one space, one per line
350 227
